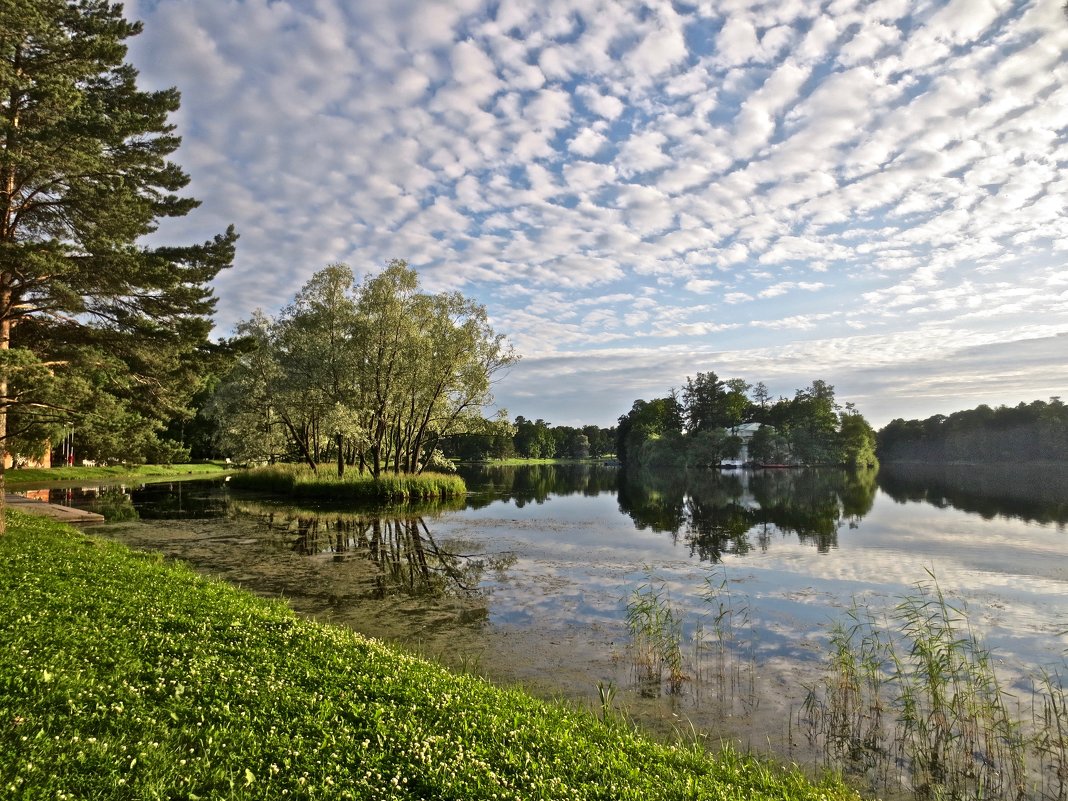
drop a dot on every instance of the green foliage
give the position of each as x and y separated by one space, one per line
646 419
710 404
856 440
129 678
533 439
103 333
299 481
808 429
768 446
374 374
1031 432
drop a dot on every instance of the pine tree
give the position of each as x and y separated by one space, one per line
94 326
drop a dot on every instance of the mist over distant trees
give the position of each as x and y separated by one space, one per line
1027 432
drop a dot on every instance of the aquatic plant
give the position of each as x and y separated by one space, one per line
656 633
731 645
606 693
299 481
915 700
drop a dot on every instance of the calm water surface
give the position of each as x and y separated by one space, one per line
529 579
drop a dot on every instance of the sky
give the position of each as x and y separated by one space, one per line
868 192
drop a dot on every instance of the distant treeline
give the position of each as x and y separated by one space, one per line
530 439
1028 432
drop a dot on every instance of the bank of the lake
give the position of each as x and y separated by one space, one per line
114 473
125 676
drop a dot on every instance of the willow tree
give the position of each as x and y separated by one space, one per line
382 370
321 359
89 318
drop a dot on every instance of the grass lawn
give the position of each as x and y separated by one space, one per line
149 472
125 677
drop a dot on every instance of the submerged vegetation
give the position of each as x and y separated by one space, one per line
127 677
300 482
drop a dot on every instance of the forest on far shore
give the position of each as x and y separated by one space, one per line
1027 432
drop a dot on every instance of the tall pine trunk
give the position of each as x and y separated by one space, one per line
5 344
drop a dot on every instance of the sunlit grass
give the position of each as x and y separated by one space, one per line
126 677
114 473
300 482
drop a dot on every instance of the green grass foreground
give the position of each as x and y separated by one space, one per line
125 677
34 475
300 482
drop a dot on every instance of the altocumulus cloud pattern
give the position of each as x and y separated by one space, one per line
868 192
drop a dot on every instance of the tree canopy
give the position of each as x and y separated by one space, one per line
1027 432
375 374
700 427
92 323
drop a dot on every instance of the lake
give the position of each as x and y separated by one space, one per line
570 579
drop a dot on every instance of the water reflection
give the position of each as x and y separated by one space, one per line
717 514
1036 494
408 559
166 500
535 483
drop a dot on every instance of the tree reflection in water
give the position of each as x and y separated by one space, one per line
717 514
408 559
535 483
1035 493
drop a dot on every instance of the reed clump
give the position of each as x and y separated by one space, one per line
914 701
724 633
656 633
721 656
300 481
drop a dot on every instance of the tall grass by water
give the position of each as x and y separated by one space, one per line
911 705
300 482
126 677
914 701
708 650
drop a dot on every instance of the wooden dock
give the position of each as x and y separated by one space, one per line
64 514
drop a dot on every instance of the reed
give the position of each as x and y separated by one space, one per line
731 644
914 700
299 481
656 632
1050 723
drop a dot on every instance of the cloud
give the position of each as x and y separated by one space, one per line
804 173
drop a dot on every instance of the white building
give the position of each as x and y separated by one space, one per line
745 432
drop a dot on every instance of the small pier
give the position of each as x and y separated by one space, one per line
64 514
